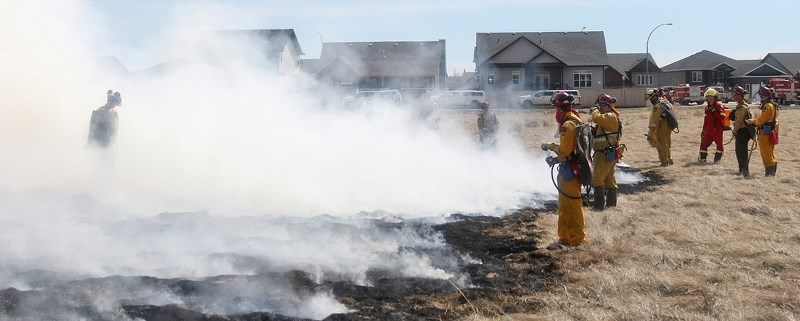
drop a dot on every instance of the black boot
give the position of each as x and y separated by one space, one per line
770 170
702 157
611 197
599 198
717 156
745 172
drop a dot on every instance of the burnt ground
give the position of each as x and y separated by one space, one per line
503 265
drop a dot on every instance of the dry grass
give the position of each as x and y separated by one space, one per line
707 246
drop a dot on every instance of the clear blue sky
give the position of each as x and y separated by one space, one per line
135 30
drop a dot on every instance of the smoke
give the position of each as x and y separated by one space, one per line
270 172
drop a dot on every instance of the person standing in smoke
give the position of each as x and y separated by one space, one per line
104 122
743 132
487 127
712 127
607 152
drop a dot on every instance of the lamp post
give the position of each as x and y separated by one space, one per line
647 51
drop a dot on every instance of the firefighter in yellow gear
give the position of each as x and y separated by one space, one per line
741 131
605 143
571 226
659 133
766 123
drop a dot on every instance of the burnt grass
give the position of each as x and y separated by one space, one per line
505 264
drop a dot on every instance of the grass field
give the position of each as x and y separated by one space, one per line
708 245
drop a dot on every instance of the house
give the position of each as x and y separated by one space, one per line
630 69
466 81
413 67
271 49
702 68
752 74
519 61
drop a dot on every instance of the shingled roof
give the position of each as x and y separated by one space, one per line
405 58
790 62
572 48
273 39
703 60
624 62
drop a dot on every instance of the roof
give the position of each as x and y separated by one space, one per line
703 60
387 57
274 39
572 48
624 62
744 66
790 62
107 63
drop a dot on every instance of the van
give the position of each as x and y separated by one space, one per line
459 98
543 97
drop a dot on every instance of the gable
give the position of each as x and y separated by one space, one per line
521 52
765 70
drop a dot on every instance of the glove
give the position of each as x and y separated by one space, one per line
545 146
551 161
593 109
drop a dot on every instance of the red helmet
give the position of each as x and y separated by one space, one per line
766 92
561 99
739 90
606 99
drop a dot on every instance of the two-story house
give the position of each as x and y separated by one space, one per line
516 62
413 67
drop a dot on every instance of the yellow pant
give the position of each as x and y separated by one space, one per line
604 171
663 140
571 228
767 150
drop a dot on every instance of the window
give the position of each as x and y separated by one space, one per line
582 78
697 76
644 80
719 74
515 77
490 79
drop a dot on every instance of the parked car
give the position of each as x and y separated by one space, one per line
368 96
459 98
543 97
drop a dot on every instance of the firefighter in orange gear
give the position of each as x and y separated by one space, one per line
571 227
659 133
712 126
766 123
605 143
741 131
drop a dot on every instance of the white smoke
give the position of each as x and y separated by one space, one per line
251 148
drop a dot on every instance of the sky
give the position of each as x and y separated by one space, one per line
147 32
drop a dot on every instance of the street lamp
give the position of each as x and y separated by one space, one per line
647 51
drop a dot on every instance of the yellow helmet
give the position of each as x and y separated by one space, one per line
710 92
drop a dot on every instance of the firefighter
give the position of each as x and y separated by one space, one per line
767 123
605 143
712 127
659 133
571 227
104 122
741 131
487 127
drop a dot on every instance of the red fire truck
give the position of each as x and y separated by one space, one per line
786 90
685 94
